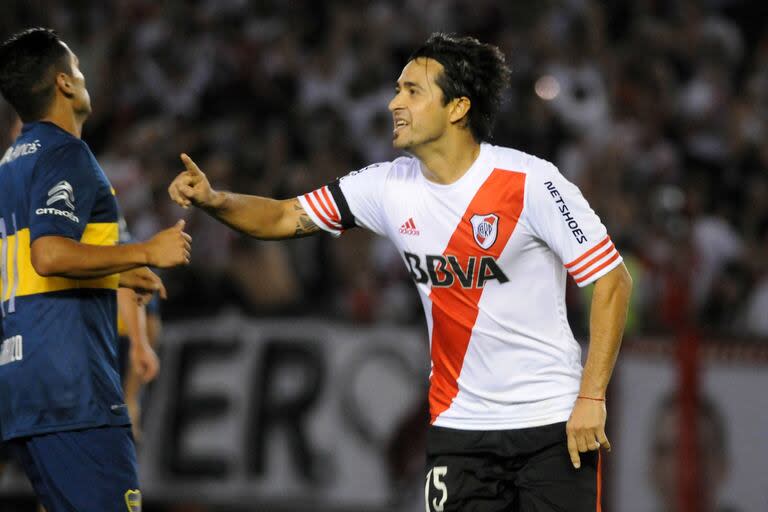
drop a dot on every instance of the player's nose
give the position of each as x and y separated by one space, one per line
394 103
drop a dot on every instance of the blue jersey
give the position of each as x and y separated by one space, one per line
58 358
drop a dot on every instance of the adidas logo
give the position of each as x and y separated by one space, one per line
409 228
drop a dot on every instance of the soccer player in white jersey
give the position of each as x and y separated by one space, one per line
489 235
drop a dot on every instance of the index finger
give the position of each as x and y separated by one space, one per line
190 165
573 451
151 282
162 291
604 442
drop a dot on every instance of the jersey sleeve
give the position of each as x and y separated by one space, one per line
559 215
353 200
63 193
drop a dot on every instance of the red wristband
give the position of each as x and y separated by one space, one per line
591 398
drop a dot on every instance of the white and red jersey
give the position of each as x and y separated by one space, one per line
490 254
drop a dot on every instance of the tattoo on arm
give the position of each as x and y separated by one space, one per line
304 225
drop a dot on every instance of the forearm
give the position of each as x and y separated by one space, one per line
607 318
63 257
154 328
133 316
259 217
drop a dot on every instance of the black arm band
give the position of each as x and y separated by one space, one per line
347 219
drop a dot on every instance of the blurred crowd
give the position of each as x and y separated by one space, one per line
657 110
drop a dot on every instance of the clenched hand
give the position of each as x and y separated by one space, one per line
586 429
144 361
169 248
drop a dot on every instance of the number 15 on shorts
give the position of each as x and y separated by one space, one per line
435 480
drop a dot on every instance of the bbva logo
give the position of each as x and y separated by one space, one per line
445 270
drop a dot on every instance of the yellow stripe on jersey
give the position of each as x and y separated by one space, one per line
100 233
31 283
122 329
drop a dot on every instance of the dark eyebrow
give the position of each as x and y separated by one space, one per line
408 84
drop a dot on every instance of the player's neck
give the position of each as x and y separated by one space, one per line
66 119
446 160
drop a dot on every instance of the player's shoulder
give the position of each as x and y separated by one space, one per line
515 160
398 169
64 155
65 147
404 168
56 149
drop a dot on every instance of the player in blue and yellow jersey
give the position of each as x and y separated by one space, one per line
61 407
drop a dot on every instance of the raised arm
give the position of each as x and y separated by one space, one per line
259 217
64 257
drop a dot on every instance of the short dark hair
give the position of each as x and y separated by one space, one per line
473 69
29 62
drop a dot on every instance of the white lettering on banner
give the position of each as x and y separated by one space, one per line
12 350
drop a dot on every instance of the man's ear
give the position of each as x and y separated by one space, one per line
64 84
459 109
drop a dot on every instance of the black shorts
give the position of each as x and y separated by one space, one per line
524 470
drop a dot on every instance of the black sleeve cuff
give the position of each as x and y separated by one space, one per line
347 219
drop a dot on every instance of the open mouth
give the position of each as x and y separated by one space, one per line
399 125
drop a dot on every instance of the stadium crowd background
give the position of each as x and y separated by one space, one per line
657 110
